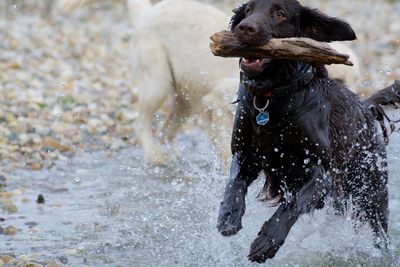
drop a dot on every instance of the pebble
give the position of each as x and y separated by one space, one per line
53 264
29 264
6 259
5 195
10 208
40 199
10 230
31 224
35 166
63 259
3 181
26 200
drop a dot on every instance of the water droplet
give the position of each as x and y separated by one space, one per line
306 161
388 70
276 149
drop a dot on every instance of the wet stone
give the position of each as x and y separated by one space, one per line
3 181
7 258
26 200
35 166
40 199
10 194
53 264
10 230
31 224
29 264
10 208
63 259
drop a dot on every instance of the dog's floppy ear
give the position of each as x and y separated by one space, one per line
321 27
238 15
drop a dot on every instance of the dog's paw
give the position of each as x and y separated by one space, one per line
382 241
230 217
264 247
229 223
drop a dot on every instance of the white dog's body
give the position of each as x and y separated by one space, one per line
171 57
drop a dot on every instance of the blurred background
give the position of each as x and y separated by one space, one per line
67 106
66 82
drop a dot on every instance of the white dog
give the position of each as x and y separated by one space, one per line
171 58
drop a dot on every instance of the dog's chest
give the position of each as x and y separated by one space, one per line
287 147
290 145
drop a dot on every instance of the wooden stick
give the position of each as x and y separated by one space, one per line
225 44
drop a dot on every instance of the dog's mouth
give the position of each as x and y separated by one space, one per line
254 66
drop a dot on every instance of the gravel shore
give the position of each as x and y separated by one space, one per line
66 85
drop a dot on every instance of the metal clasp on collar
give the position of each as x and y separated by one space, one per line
263 117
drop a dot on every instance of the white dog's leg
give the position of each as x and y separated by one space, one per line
155 83
220 124
148 106
219 115
181 110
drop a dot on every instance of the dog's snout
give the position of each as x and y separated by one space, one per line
247 28
250 32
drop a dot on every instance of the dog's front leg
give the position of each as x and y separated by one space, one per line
233 205
275 230
245 167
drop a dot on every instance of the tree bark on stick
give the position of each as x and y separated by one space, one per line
225 44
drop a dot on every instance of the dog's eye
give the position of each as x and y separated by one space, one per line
247 10
281 15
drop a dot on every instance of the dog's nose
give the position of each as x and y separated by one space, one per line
247 28
249 32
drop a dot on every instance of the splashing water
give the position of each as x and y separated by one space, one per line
120 213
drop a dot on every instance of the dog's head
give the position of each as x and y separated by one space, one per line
257 21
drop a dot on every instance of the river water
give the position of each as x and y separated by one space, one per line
110 210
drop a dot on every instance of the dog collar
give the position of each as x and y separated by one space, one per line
302 79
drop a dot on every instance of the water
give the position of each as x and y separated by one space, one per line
108 210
